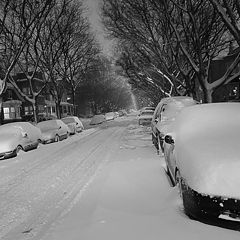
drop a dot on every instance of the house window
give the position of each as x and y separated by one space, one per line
11 112
6 113
28 110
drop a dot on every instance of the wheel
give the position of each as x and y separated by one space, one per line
56 139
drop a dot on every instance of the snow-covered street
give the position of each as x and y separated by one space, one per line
104 183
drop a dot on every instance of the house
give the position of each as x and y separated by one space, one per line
11 105
16 108
218 67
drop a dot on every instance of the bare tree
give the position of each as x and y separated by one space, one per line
19 22
80 49
176 40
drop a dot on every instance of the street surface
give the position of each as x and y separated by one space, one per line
104 183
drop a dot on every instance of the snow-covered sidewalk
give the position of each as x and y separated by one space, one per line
130 198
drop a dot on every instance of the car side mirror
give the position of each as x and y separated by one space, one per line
24 134
168 139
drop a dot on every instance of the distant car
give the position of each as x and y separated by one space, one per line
53 130
122 112
18 136
164 114
202 157
109 116
74 124
97 119
145 117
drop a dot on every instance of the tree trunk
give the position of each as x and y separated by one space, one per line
58 109
73 102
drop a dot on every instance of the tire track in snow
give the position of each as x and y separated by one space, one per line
26 218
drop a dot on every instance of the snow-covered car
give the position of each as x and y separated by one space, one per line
122 113
18 136
53 130
145 117
97 119
202 157
109 116
74 124
164 115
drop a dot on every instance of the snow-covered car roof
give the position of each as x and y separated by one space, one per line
207 147
49 124
97 119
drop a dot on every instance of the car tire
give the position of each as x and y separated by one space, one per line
56 139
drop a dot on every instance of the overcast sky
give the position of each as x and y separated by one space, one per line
94 17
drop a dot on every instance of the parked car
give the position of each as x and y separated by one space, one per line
145 117
122 112
53 130
109 116
74 124
18 136
202 157
164 114
98 119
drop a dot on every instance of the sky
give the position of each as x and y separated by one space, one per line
95 21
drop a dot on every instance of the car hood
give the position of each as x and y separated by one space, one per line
211 166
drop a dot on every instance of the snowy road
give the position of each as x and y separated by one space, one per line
105 183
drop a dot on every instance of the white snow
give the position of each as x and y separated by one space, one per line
100 184
207 148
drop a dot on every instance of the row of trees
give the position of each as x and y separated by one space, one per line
48 36
166 47
105 89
